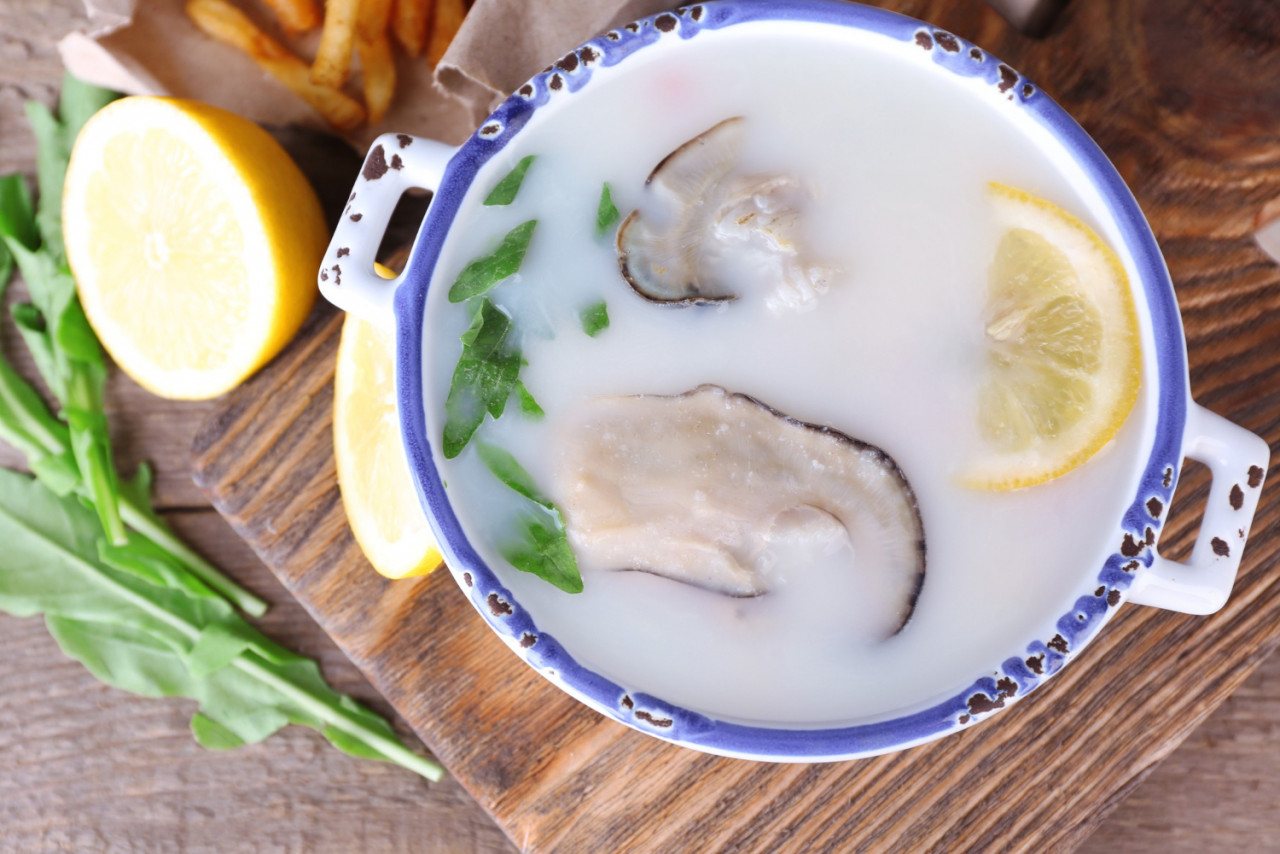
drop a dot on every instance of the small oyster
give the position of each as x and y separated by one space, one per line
703 212
699 487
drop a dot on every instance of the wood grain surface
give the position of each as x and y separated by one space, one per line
87 768
1166 107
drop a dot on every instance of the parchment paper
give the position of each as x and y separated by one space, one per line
505 42
150 47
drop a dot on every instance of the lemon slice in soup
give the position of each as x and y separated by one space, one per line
1063 360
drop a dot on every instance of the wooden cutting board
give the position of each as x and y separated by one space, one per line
1182 96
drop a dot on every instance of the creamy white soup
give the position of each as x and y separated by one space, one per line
879 337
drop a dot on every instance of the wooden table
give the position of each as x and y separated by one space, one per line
84 767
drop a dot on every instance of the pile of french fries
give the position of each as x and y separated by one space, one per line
363 27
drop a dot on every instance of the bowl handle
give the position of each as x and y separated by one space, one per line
1237 461
395 163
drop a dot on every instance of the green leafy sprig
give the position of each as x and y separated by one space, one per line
140 622
72 455
138 608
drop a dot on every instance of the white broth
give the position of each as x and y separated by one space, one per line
896 156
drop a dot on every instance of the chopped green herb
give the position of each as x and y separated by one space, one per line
508 187
606 213
482 274
545 550
595 318
528 406
508 470
486 374
546 554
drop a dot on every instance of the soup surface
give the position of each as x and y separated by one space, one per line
895 158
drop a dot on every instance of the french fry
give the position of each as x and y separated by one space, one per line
337 39
229 25
444 26
296 16
372 19
379 69
409 22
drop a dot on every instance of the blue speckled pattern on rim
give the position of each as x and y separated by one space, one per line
1011 679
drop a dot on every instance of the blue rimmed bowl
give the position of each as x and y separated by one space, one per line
1132 572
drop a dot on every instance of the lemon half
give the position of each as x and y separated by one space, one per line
194 240
1063 360
373 473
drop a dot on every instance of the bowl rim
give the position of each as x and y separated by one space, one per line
1014 677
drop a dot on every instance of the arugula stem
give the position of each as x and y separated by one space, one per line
160 534
249 663
41 430
190 632
91 448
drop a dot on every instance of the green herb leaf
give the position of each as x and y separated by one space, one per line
508 187
545 550
484 273
507 469
141 626
54 141
528 406
52 154
484 378
595 318
17 216
212 735
545 553
606 213
77 104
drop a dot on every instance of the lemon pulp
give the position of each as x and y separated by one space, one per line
377 491
194 240
1063 358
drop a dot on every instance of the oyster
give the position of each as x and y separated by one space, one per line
706 224
701 487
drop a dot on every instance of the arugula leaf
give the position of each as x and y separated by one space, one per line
545 553
545 550
26 424
136 622
17 216
482 274
54 141
507 469
55 327
595 318
77 104
484 378
606 213
505 192
528 406
52 155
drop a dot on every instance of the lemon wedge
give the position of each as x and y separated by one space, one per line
1063 358
373 473
194 240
